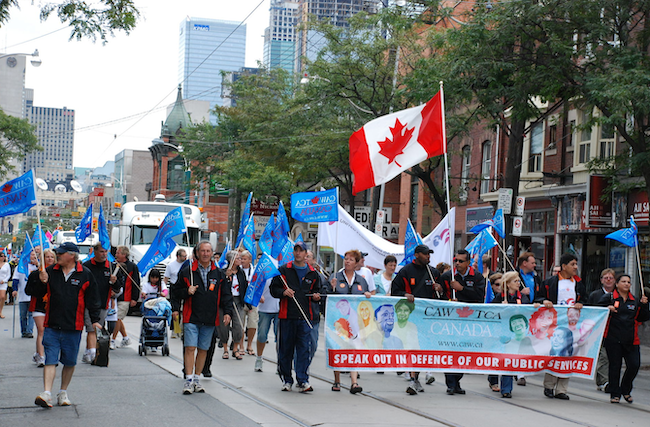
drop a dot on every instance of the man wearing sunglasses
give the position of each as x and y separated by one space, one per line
466 285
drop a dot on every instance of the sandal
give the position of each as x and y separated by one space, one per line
495 387
225 355
336 387
615 400
250 352
628 398
355 389
236 355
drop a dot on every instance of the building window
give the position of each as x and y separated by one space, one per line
486 167
464 173
175 174
606 140
585 142
552 136
536 145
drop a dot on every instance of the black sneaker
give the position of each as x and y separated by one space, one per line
562 396
459 390
450 391
548 392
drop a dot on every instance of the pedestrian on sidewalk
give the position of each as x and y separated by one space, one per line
37 290
607 285
204 291
5 275
268 309
129 276
24 300
71 288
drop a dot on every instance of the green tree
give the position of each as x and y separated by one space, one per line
91 20
17 138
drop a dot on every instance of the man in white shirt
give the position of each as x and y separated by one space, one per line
252 317
171 272
366 273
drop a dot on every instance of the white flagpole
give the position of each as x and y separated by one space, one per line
452 233
638 259
38 218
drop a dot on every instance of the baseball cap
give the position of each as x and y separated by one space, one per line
423 249
364 254
301 245
66 247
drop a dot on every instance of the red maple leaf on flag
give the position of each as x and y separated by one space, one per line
7 188
464 312
391 149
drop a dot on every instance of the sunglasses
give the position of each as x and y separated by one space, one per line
460 260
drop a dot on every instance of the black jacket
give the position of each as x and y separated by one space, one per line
622 326
243 285
595 296
517 298
202 307
131 282
68 300
310 284
37 290
548 290
473 286
415 280
102 273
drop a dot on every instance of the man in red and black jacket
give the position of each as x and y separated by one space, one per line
71 289
467 285
129 276
102 271
298 282
417 280
203 289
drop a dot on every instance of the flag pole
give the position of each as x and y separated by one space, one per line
38 218
286 286
638 259
452 233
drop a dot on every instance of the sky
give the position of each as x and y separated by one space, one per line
120 90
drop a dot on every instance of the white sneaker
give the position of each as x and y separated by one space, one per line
35 357
305 387
188 387
62 399
411 389
112 345
430 379
44 400
418 386
87 358
198 388
41 361
258 364
286 387
125 342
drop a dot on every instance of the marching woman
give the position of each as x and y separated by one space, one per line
511 294
37 290
5 275
621 338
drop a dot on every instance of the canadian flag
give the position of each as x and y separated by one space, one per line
390 144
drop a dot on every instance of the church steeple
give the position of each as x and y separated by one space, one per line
177 118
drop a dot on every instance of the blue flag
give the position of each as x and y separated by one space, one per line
248 240
85 226
104 239
489 292
627 236
244 219
299 238
481 244
282 220
280 232
163 244
499 225
223 262
266 269
39 237
315 206
266 240
18 195
411 240
23 262
286 254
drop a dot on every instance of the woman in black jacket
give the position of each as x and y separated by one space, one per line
621 338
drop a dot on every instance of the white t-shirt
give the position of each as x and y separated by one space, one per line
22 282
151 291
5 274
248 272
172 271
566 292
235 285
270 304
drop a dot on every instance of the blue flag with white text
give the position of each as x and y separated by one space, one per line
481 244
163 244
265 269
23 261
266 239
411 240
280 232
315 206
18 195
85 226
244 219
248 239
286 253
223 262
627 236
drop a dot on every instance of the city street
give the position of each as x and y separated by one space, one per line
147 391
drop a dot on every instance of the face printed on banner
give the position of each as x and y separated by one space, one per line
402 313
573 316
519 326
344 307
386 318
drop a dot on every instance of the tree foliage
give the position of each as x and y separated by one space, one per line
93 20
17 138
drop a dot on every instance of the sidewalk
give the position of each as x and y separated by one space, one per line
130 391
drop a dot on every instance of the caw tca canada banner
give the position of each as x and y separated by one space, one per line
315 206
392 334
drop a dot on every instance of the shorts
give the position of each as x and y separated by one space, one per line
252 317
88 323
123 309
265 324
37 314
199 336
3 287
61 343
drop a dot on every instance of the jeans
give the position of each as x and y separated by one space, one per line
453 380
294 336
26 320
314 341
506 384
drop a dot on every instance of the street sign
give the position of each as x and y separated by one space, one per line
519 206
517 225
114 221
381 216
505 200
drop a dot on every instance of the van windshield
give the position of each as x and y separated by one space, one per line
144 235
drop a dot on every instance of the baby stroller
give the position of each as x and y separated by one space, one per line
156 315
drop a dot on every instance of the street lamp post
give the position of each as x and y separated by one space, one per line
35 62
